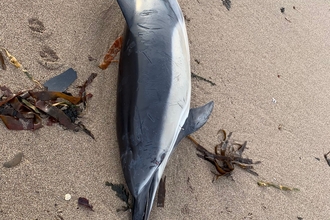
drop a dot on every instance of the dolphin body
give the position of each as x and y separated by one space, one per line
153 96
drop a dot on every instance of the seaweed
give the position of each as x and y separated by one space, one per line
17 124
82 92
120 190
57 114
52 96
25 110
227 4
84 202
18 65
280 187
87 83
121 193
326 158
2 61
202 78
72 111
16 115
161 192
84 129
12 59
112 52
227 154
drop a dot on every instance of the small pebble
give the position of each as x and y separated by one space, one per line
15 161
67 197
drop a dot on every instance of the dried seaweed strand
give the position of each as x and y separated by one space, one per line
86 83
112 52
281 187
32 79
15 62
2 61
202 78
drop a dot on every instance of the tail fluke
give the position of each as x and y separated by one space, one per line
144 201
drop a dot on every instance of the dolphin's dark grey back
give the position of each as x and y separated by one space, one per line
128 8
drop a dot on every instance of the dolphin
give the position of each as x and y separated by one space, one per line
153 95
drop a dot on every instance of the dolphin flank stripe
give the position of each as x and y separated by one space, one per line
153 95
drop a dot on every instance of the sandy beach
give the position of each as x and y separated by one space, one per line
271 71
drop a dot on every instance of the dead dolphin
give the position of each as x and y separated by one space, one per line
153 97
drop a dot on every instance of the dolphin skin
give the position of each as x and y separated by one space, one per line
153 96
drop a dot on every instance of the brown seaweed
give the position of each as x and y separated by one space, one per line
227 154
17 124
84 129
161 192
18 65
57 114
14 161
87 83
7 95
326 158
2 61
122 193
50 95
277 186
84 202
16 115
24 110
82 92
112 52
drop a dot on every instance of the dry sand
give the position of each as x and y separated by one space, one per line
253 53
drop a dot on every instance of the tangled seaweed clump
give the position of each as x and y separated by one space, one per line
227 154
25 110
